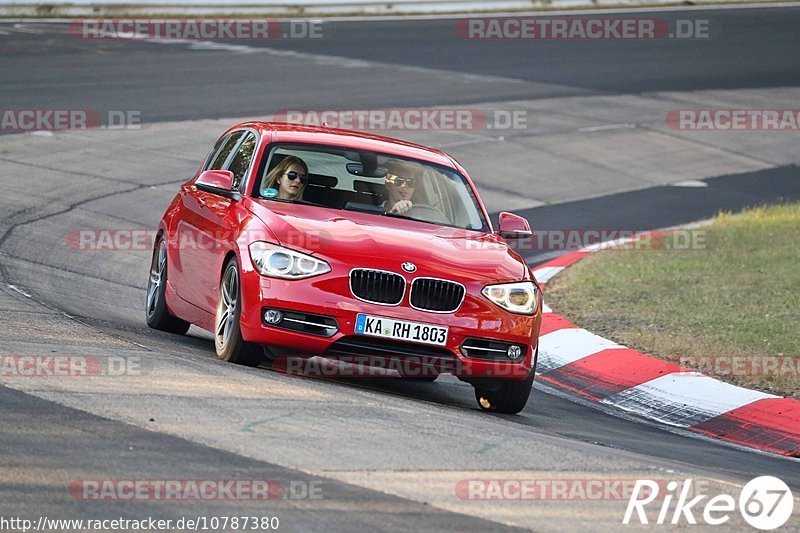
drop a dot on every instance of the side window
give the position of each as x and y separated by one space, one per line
224 152
210 156
241 161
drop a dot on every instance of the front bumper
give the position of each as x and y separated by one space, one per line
329 296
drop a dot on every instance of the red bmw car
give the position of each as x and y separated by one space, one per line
296 241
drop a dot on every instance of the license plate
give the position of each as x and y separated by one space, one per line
404 330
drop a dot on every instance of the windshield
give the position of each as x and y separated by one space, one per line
379 184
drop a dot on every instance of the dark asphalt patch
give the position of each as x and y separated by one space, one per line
663 206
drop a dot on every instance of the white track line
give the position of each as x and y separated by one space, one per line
565 346
545 274
684 398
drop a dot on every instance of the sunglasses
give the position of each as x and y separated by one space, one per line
294 175
399 182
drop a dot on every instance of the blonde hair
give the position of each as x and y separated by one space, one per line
280 169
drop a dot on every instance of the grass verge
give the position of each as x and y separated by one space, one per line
723 299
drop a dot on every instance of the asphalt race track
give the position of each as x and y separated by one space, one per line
596 152
168 82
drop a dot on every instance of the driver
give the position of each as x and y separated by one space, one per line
401 182
287 180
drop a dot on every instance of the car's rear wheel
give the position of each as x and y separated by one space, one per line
504 396
158 316
228 341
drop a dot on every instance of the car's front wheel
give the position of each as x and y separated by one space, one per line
504 396
157 314
228 341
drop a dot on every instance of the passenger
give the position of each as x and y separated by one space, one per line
401 182
287 180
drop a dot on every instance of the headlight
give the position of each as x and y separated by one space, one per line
518 297
279 262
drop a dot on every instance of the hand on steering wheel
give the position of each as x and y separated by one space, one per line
401 207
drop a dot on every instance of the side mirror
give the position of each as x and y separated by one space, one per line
513 226
219 182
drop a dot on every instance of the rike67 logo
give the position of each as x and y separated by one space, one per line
766 503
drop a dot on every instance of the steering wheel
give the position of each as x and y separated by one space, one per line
427 213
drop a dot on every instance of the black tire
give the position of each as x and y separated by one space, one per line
228 341
156 312
505 396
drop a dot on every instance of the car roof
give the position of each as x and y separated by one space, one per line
298 133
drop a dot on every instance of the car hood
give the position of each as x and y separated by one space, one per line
373 241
